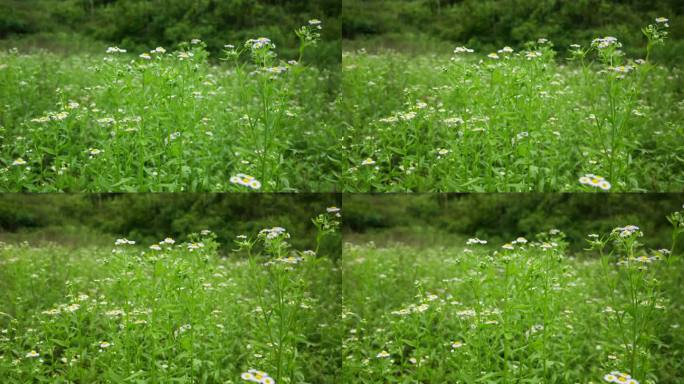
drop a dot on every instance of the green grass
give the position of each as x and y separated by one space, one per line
169 121
179 313
529 314
524 121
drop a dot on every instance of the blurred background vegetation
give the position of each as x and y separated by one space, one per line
79 220
488 25
140 25
450 219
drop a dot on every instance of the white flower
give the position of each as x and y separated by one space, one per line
115 50
195 41
595 181
314 22
145 56
506 49
124 241
475 240
383 355
94 151
19 162
332 209
246 180
661 20
261 42
605 185
276 70
255 376
158 50
105 344
368 161
463 50
493 56
155 247
32 354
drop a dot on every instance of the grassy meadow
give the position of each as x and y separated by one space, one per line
169 119
172 311
514 119
523 311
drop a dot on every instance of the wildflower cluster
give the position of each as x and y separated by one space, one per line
246 180
255 376
619 377
595 181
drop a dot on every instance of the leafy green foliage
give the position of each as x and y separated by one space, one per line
173 312
167 121
149 217
500 217
516 121
142 25
519 312
491 24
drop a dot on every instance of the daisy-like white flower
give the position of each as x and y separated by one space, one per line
508 246
314 22
169 241
595 181
124 241
259 43
256 376
619 377
105 344
605 185
368 161
383 355
155 247
493 55
32 354
19 162
94 151
475 240
506 49
115 50
457 344
463 50
662 20
246 180
332 209
145 56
